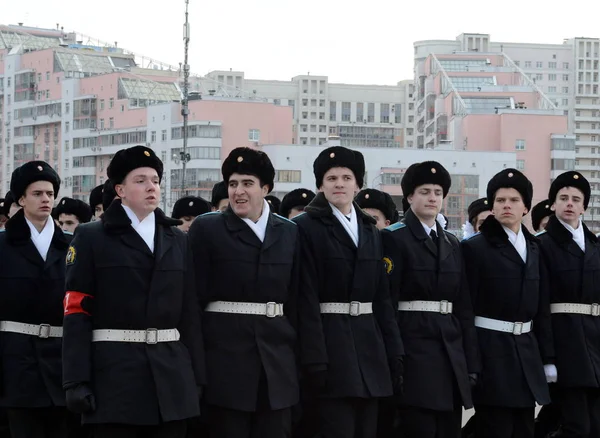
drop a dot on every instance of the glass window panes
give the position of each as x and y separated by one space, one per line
482 105
199 153
462 64
142 93
467 83
291 176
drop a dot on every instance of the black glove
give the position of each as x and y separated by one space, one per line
397 372
80 399
316 377
473 379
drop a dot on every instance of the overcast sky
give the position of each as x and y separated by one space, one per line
367 42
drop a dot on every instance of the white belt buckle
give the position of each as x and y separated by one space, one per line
595 309
151 336
518 329
445 307
272 309
44 331
355 308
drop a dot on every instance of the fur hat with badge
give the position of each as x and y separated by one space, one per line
190 206
130 159
295 198
539 212
96 196
29 173
219 192
274 203
247 161
77 208
372 198
478 206
570 179
510 179
339 156
427 172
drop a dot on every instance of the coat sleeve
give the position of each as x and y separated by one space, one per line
199 246
80 286
191 327
470 290
464 313
313 350
542 325
386 314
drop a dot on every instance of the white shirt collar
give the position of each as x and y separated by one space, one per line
351 226
260 227
518 241
145 228
42 240
578 234
428 229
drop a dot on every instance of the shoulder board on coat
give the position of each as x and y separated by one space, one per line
2 230
540 233
298 215
209 213
395 226
473 235
284 218
68 233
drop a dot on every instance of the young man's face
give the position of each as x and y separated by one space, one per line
140 190
378 215
98 211
509 207
295 211
68 222
426 201
246 196
223 204
187 222
481 217
568 205
339 186
38 200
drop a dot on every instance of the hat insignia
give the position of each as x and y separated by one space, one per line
240 159
575 176
510 175
40 168
64 202
433 170
191 203
332 155
367 196
146 153
1 204
304 195
485 202
547 206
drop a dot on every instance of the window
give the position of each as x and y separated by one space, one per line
163 135
520 164
47 75
527 64
551 89
371 113
539 64
47 94
346 110
101 123
565 102
153 137
384 112
551 77
565 77
360 112
397 113
566 65
411 119
552 65
111 122
67 125
517 63
277 101
101 104
565 90
254 135
520 145
67 108
577 112
593 138
111 102
122 108
332 111
290 176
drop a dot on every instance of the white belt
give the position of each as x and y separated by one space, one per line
444 307
516 328
270 309
148 336
580 309
354 308
43 331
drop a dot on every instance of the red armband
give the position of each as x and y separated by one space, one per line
73 302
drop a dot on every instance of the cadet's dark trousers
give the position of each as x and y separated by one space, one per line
347 417
387 417
580 413
426 423
172 429
230 423
37 422
503 422
548 419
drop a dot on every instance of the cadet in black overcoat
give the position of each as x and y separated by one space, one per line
429 288
294 202
133 352
352 353
508 284
379 205
572 254
246 263
32 279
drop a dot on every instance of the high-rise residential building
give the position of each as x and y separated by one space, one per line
568 74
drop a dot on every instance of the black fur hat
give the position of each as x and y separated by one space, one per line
219 192
339 156
427 172
29 173
96 196
190 206
372 198
478 206
247 161
75 207
295 198
274 203
570 179
539 212
510 179
130 159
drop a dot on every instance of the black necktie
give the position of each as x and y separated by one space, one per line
434 237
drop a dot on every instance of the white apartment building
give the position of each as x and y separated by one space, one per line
568 73
371 115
